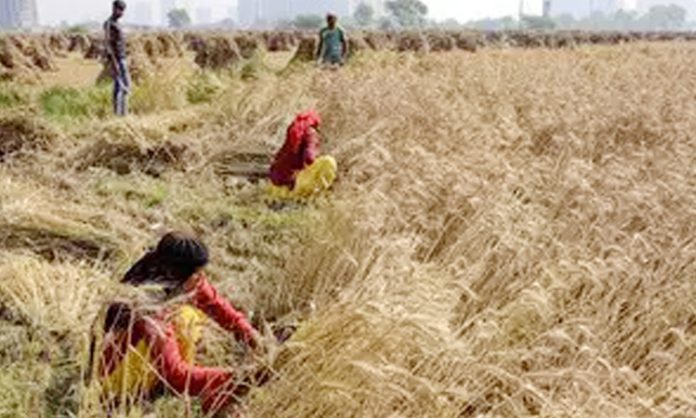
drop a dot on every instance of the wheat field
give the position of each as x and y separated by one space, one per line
512 234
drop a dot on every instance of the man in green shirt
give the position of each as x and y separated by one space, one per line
333 43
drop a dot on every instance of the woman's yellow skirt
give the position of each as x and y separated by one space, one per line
316 178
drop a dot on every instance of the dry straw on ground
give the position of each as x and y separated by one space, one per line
512 236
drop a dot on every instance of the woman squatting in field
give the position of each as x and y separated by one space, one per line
298 171
145 353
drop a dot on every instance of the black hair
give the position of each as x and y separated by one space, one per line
119 4
175 259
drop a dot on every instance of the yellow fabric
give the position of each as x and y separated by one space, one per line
135 375
314 179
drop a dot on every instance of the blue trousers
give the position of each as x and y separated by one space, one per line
122 85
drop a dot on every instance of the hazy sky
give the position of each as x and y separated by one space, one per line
56 11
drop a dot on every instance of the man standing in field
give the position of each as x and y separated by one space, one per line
333 43
115 43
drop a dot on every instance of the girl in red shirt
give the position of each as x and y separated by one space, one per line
147 350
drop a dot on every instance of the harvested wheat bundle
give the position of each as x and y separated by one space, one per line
95 49
58 43
218 52
357 43
412 41
194 42
168 45
466 41
145 44
36 51
12 57
249 44
126 157
306 50
440 41
378 41
78 43
279 41
20 133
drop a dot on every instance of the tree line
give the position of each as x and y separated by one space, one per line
414 14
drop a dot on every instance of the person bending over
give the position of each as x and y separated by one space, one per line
298 171
150 349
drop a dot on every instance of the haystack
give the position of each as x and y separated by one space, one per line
412 41
96 48
58 43
378 41
147 45
440 41
279 41
126 157
36 51
10 56
168 45
218 52
194 42
357 43
20 133
526 39
467 41
306 50
560 40
248 44
78 43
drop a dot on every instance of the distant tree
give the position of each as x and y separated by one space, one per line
625 20
364 15
77 29
597 21
408 13
178 18
386 23
665 17
308 22
537 23
504 23
565 21
284 24
450 24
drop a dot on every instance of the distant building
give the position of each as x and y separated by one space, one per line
688 5
546 9
18 14
581 8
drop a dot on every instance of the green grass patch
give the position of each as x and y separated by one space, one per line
68 103
203 88
11 97
158 93
147 192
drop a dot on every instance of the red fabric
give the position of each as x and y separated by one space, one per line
207 299
300 150
214 386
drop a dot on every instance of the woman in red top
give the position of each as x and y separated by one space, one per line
145 352
298 171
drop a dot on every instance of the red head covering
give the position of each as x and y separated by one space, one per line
300 128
